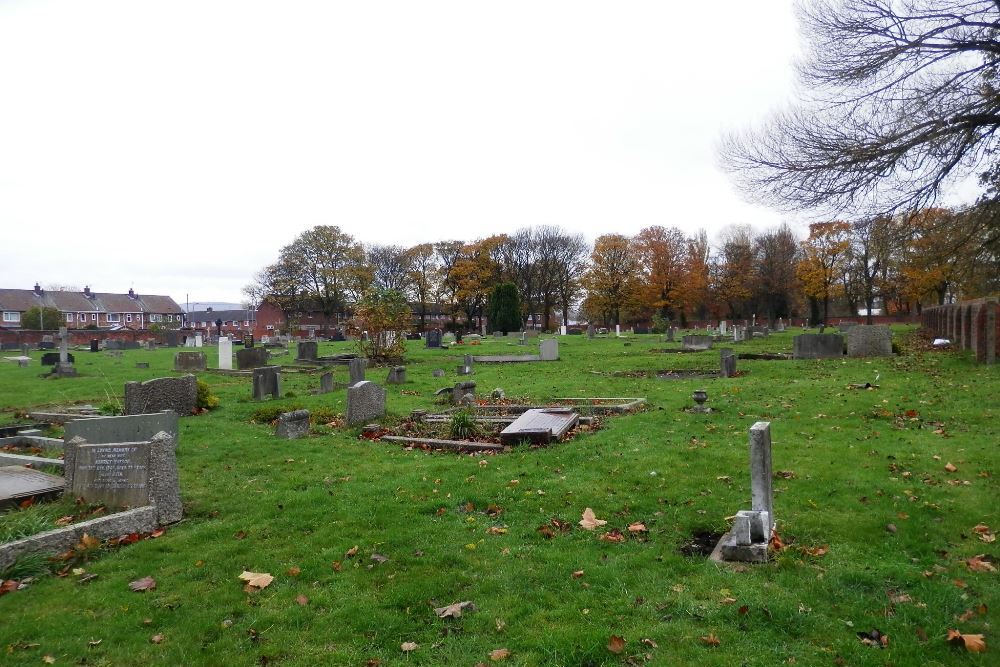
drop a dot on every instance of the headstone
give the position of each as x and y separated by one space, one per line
521 340
869 340
293 425
466 367
498 334
189 361
539 426
266 382
53 358
433 338
727 362
761 494
671 334
308 351
172 338
177 394
251 357
64 367
325 383
365 402
198 342
248 340
131 474
462 391
225 353
562 330
130 428
95 345
438 373
357 367
151 345
818 346
723 327
397 375
697 342
748 538
188 342
780 326
618 330
548 349
590 331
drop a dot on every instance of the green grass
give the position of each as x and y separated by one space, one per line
859 461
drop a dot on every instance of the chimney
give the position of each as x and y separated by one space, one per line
86 292
208 310
38 289
131 293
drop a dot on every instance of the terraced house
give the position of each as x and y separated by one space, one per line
102 310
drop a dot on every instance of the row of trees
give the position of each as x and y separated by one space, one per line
661 274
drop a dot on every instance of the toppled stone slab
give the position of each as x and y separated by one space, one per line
540 426
19 483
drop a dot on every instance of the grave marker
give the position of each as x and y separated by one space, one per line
357 367
365 402
293 425
177 394
189 361
266 382
548 350
225 353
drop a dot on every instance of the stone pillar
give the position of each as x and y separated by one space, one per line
225 353
761 494
986 348
63 345
967 328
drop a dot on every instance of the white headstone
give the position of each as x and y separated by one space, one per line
225 353
618 330
197 340
562 330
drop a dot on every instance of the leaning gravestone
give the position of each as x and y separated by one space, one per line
356 367
869 340
130 428
177 394
397 375
251 357
225 353
266 382
818 346
727 362
189 361
365 402
293 425
326 383
466 367
548 350
127 474
308 351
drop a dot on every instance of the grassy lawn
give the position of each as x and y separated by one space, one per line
862 473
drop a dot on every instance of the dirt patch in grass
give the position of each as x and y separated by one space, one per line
701 543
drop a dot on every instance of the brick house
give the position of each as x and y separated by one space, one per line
271 320
234 322
102 310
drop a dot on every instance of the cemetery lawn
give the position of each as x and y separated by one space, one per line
884 499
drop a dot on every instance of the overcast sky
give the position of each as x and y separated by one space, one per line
174 147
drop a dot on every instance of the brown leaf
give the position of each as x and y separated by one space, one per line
406 647
950 467
578 574
727 600
615 644
898 597
816 551
613 535
294 571
496 530
649 642
240 534
978 564
499 654
156 639
48 660
546 532
64 520
710 640
301 600
352 552
144 584
455 610
775 544
256 580
744 609
590 521
637 527
972 643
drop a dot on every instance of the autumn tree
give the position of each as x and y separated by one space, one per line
330 265
663 255
385 315
734 272
824 254
423 274
389 266
775 252
449 253
612 281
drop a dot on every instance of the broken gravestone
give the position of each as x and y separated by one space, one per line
293 425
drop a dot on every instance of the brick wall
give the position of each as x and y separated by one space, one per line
970 325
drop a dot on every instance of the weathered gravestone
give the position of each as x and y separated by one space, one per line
172 338
266 382
727 362
869 340
466 367
293 425
95 345
433 338
225 353
365 402
308 351
142 364
189 361
462 392
130 428
198 340
751 531
52 358
177 394
818 346
325 383
539 426
127 474
356 367
397 375
438 373
697 342
590 331
548 350
251 357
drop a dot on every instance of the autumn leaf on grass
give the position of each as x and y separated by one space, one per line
256 580
816 551
613 535
898 597
144 584
301 600
972 643
978 564
406 647
156 639
294 571
48 660
637 527
353 551
710 640
950 467
546 532
616 644
775 543
590 521
455 610
874 638
984 532
496 530
499 654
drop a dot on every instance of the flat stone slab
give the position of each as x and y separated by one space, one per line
457 445
18 483
540 426
506 358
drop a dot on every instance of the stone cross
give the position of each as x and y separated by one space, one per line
63 346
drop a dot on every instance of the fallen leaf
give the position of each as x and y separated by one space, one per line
590 521
710 640
455 610
874 638
637 527
301 600
496 530
578 574
898 597
257 580
816 551
64 520
727 600
156 639
613 535
972 643
616 644
48 660
744 609
406 647
337 566
353 551
499 654
546 531
294 571
977 564
950 467
144 584
649 642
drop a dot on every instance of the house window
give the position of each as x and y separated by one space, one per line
93 317
128 318
69 317
155 318
11 316
246 323
114 317
270 327
82 317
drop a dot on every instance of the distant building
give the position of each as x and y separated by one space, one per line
101 310
234 322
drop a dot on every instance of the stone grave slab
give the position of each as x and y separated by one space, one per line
177 394
540 426
130 428
251 357
18 483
